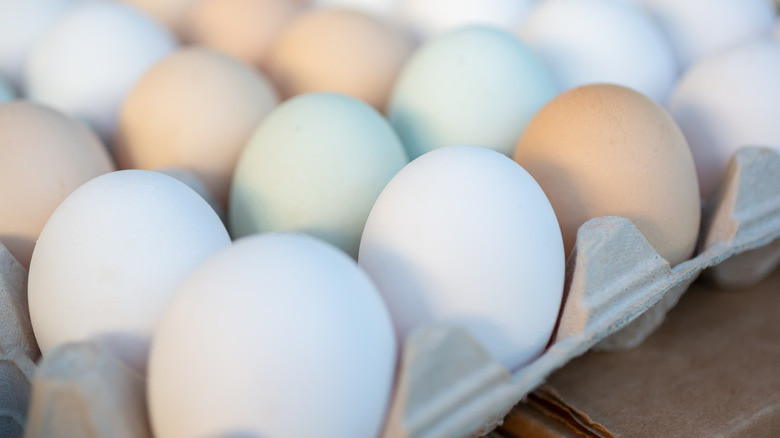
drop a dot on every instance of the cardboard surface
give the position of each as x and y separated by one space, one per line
81 390
18 349
710 370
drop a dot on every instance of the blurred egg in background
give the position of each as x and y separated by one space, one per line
430 18
698 28
44 156
245 29
342 51
88 61
595 41
22 24
171 13
726 101
476 85
6 91
194 110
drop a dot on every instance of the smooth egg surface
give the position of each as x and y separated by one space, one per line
464 236
607 150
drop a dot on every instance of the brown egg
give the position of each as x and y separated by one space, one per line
169 12
341 51
193 110
44 156
606 150
246 29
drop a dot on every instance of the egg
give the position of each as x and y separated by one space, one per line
275 327
698 28
44 156
727 101
89 60
340 51
476 85
22 24
316 164
194 110
111 257
245 29
6 91
464 236
594 41
433 17
607 150
172 13
383 9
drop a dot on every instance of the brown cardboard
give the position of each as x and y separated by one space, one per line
618 292
81 390
710 370
18 349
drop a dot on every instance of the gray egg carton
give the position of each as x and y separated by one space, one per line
618 290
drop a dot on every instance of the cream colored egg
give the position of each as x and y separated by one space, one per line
170 12
44 156
246 29
341 51
194 110
606 150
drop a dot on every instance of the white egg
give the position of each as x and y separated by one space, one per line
697 28
476 85
112 255
598 41
463 235
429 18
22 24
6 91
90 59
280 335
727 101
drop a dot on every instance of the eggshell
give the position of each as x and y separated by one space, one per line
44 156
606 150
195 110
430 18
726 101
22 24
383 9
465 236
172 13
6 91
89 60
316 164
111 257
476 85
279 335
341 51
245 29
698 28
591 41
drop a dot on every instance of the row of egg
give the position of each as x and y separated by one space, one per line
453 222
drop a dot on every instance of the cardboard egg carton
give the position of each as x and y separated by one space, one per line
618 290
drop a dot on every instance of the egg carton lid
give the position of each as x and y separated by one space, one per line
618 290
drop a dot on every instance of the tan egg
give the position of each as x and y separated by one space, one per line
341 51
44 156
606 150
193 110
170 12
246 29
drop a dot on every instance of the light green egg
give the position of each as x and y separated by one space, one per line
315 164
6 92
475 86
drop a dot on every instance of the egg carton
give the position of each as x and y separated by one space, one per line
618 290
